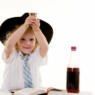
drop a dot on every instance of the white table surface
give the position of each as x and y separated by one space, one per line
65 93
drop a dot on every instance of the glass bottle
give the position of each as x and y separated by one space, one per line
72 84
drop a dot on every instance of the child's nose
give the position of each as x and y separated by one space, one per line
28 42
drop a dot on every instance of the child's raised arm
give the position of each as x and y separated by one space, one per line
15 36
40 36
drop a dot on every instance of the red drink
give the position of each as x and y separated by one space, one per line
72 80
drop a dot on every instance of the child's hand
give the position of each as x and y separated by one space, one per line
33 22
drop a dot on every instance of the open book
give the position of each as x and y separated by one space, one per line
31 91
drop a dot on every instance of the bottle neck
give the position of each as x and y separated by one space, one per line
73 60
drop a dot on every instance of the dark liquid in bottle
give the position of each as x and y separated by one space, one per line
72 85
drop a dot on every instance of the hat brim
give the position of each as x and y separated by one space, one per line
10 24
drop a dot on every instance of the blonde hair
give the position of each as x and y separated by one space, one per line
28 30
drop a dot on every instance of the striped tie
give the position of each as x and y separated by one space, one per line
27 73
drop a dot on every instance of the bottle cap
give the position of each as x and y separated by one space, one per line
73 48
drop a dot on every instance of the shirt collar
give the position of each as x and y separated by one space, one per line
22 56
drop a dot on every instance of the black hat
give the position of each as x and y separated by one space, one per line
10 24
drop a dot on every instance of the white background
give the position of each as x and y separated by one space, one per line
73 22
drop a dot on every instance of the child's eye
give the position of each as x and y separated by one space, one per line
22 39
31 39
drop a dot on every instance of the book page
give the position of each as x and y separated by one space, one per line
30 91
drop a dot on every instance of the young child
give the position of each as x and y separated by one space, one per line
26 48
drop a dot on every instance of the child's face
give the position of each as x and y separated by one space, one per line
27 43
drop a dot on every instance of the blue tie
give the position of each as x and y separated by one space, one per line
27 73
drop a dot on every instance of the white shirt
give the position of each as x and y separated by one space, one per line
13 75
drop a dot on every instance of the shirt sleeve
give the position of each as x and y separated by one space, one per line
11 57
41 60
